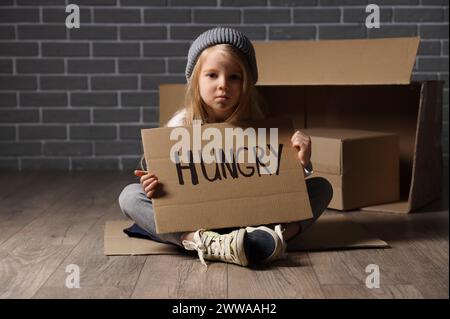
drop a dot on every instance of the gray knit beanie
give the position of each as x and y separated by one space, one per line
222 35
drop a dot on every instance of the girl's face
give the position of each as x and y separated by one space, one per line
220 84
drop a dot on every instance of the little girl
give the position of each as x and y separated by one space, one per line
221 73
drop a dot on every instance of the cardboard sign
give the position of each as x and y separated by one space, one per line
228 193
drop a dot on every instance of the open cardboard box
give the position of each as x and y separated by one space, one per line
355 84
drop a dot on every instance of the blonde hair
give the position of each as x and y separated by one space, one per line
248 107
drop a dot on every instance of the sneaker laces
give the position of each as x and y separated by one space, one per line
212 245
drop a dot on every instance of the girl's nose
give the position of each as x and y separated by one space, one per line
223 83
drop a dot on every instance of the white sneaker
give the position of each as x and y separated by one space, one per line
210 245
279 251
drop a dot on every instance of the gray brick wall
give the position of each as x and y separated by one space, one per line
75 99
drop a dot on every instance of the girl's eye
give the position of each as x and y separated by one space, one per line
235 77
211 75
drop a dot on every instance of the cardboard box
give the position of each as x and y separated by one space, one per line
362 166
219 195
355 84
330 232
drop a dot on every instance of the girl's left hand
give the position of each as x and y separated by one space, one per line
302 143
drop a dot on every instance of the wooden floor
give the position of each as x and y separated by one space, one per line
49 220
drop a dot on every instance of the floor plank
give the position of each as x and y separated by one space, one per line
100 276
182 276
29 257
49 220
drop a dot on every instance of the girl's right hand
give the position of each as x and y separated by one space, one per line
149 182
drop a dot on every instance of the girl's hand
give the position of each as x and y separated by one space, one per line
149 181
302 143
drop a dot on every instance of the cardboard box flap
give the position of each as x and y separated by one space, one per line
336 62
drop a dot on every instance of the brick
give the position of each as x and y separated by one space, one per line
96 2
117 15
7 3
71 82
42 2
116 49
18 82
267 16
66 116
418 15
91 66
65 49
167 15
142 66
253 32
342 32
139 99
166 49
67 148
133 132
293 3
97 164
433 64
360 15
445 47
434 31
151 115
338 3
395 2
36 163
59 15
13 15
424 76
116 116
193 3
94 33
292 32
217 16
434 2
40 65
143 33
143 3
18 49
429 48
93 132
6 66
20 148
396 30
243 3
93 99
177 65
129 163
114 82
8 99
152 82
187 32
38 132
41 31
7 32
7 133
317 15
11 164
43 99
118 148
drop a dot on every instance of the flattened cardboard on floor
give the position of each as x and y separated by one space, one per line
359 84
331 231
362 166
228 194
